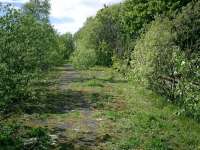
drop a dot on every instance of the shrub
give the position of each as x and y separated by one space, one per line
28 48
84 58
166 58
14 136
152 44
187 28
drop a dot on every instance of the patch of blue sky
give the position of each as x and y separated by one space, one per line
16 4
55 20
69 15
14 1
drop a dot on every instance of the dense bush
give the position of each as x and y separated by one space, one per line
155 42
134 18
100 33
166 58
84 58
187 28
66 45
84 55
28 48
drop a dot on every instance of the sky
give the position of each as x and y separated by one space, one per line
69 15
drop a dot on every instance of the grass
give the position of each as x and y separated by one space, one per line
139 118
105 111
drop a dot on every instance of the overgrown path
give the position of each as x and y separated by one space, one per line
69 114
99 109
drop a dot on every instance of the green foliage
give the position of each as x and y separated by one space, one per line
84 58
101 34
166 58
137 13
104 54
14 136
114 30
67 44
162 54
135 117
134 17
40 9
127 144
84 55
187 28
156 43
28 48
108 34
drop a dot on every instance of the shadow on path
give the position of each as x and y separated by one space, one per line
60 103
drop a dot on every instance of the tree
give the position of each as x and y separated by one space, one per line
39 9
68 44
28 48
